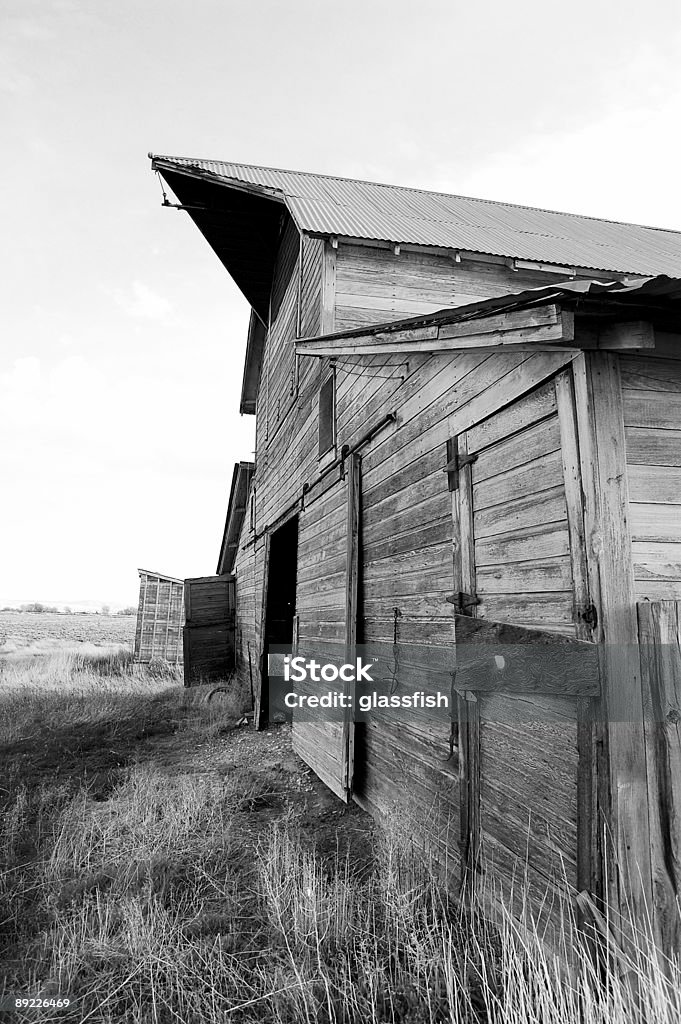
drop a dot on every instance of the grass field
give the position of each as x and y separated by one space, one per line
47 632
161 863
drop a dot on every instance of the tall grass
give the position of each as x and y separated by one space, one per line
169 902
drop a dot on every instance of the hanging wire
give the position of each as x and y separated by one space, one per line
394 682
166 201
373 376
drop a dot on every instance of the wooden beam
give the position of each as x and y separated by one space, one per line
622 787
506 321
660 638
588 863
351 609
496 657
530 327
262 659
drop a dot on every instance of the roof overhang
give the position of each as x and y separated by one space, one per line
532 319
236 511
243 225
160 576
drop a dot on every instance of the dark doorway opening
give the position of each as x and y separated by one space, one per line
281 595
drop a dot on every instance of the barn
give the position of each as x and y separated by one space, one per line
160 618
468 453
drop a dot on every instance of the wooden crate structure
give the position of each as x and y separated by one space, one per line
160 618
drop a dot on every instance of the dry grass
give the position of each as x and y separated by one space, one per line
149 896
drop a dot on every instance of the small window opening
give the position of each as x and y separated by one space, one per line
327 415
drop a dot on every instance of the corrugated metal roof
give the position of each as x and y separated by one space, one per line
321 204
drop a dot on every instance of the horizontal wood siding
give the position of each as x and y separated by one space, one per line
406 526
523 576
651 388
375 285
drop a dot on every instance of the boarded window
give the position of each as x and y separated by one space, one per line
327 415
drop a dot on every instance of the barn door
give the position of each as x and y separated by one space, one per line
209 628
521 582
327 611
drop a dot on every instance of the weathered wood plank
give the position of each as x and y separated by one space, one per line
503 658
650 447
543 472
601 420
535 406
657 484
660 639
548 540
652 409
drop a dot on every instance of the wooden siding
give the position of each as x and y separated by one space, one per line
514 519
320 606
406 524
651 388
375 285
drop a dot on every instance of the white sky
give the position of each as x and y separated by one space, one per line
123 337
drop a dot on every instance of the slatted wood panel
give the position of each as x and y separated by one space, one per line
517 555
160 617
651 388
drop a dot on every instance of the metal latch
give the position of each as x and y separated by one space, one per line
464 601
589 615
455 462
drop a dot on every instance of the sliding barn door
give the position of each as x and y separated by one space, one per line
520 580
328 566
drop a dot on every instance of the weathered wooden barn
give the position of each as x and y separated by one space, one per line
468 435
160 618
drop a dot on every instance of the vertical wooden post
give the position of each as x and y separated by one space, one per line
460 481
660 639
353 470
328 299
622 790
262 639
588 871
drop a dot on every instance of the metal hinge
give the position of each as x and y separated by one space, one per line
464 601
456 460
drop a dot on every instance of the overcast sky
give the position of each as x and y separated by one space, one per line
123 337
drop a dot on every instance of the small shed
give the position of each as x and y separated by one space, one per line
160 618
